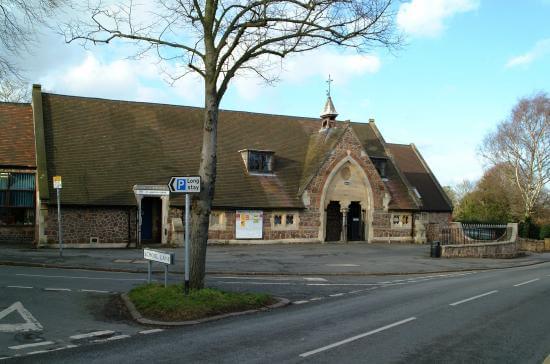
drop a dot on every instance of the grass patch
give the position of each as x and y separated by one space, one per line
170 304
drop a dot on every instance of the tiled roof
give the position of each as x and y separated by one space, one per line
102 148
16 135
418 174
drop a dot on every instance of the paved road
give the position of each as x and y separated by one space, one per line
496 316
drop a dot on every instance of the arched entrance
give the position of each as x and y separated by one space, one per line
355 222
334 221
346 204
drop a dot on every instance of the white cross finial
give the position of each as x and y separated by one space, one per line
329 81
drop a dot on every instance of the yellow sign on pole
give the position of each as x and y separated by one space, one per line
57 182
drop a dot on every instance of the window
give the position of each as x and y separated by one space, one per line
380 165
401 220
284 221
258 161
17 198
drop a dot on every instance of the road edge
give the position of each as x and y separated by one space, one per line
137 316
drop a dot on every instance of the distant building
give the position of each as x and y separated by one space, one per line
280 178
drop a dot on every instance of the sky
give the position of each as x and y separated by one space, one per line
464 66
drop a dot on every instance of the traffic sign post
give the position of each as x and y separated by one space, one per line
187 185
57 184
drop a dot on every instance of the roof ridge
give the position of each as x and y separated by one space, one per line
312 119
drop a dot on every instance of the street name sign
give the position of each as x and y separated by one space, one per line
158 256
189 184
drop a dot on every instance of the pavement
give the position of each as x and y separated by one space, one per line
278 259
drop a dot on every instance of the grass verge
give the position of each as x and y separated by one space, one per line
154 301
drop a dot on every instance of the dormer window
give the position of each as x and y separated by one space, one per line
380 165
258 161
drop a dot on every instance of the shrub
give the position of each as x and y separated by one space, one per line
544 232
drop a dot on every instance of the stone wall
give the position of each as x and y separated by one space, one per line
17 234
507 249
111 225
434 222
532 245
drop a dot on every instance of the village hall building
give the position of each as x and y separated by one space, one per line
280 178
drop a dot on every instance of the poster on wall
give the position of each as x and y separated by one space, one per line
249 224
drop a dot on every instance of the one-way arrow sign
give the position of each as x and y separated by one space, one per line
189 184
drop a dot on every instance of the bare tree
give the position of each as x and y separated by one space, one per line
220 39
18 22
14 90
522 142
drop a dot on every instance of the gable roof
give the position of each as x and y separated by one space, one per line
102 148
419 175
16 135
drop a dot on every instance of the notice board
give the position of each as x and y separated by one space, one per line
249 224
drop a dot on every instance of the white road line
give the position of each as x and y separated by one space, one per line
58 289
72 277
300 302
531 281
49 351
357 337
152 331
316 298
112 338
93 291
472 298
91 334
260 283
314 279
356 291
23 287
32 345
342 284
337 295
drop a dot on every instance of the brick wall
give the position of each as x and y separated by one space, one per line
17 234
112 225
435 222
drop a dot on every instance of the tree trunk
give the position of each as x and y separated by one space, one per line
203 204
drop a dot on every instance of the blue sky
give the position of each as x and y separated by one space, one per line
464 67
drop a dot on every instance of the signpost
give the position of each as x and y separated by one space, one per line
158 256
57 184
187 185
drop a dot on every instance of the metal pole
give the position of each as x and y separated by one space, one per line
60 231
149 271
165 275
187 206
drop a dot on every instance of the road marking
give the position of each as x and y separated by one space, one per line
49 351
316 298
314 279
23 287
342 284
32 345
91 334
73 277
58 289
259 283
112 338
342 265
152 331
94 291
531 281
357 337
547 360
30 324
337 295
300 302
472 298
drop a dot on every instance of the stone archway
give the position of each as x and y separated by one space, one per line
347 185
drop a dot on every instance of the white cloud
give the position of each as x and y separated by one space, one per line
136 80
301 67
540 49
426 17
